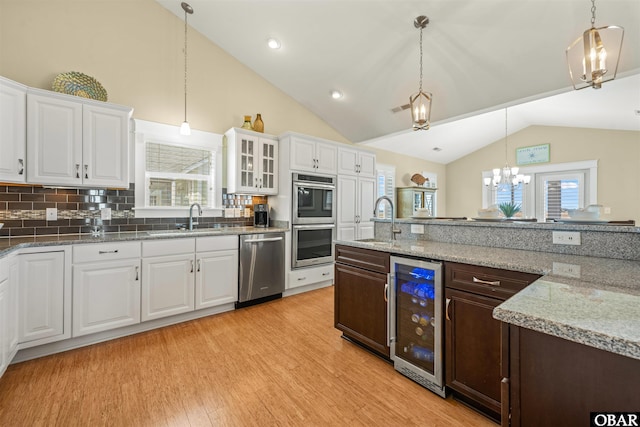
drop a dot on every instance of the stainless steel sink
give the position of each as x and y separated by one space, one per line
376 242
181 232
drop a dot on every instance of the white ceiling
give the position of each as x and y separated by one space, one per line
479 56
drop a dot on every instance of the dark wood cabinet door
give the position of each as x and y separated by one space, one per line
360 306
555 382
473 350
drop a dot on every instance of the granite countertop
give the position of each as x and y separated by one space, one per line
8 245
589 300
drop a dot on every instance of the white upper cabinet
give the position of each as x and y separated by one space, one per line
13 131
309 155
77 142
356 162
252 161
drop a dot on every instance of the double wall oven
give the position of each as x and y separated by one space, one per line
313 219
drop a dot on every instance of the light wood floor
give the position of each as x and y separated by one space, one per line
280 363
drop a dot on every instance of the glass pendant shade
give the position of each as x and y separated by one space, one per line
185 129
593 58
420 110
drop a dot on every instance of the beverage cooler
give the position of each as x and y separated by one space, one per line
415 321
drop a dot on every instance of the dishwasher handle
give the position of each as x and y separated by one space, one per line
266 239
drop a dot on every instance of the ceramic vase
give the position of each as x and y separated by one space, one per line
258 125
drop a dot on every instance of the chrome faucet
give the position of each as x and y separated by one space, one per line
191 223
394 231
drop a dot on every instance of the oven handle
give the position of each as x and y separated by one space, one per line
314 185
313 226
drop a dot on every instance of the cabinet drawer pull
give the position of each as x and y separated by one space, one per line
386 292
192 266
326 274
86 171
199 265
77 170
486 282
446 309
115 251
137 273
20 166
302 278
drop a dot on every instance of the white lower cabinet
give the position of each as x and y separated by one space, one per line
167 285
4 315
106 287
310 275
181 275
216 278
43 294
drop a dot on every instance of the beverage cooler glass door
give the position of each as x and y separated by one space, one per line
416 324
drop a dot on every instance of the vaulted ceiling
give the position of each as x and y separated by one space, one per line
479 56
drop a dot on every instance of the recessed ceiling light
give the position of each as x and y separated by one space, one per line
336 94
273 43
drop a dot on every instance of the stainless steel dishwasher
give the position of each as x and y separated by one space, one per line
261 275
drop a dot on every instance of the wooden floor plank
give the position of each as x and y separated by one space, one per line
280 363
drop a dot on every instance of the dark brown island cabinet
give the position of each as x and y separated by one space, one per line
550 381
360 297
473 338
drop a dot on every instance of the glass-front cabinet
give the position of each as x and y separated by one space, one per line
410 199
252 161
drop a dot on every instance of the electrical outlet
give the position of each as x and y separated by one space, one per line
105 213
566 270
566 238
417 229
52 214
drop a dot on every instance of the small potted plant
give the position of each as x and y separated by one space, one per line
509 209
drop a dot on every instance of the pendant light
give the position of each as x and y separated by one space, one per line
420 102
185 129
593 58
506 175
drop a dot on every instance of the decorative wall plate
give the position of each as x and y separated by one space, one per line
79 84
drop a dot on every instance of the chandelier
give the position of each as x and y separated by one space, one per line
185 129
420 102
506 175
593 58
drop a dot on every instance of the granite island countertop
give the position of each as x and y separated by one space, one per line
8 245
589 300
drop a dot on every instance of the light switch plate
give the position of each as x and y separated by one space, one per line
105 213
566 238
52 214
417 228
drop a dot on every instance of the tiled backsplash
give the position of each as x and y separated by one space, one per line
23 212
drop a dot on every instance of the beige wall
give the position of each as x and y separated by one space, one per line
134 49
617 153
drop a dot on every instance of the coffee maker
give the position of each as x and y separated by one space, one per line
261 215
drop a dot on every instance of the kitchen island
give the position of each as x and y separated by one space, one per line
571 339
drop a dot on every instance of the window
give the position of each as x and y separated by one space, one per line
174 171
178 176
385 186
553 190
